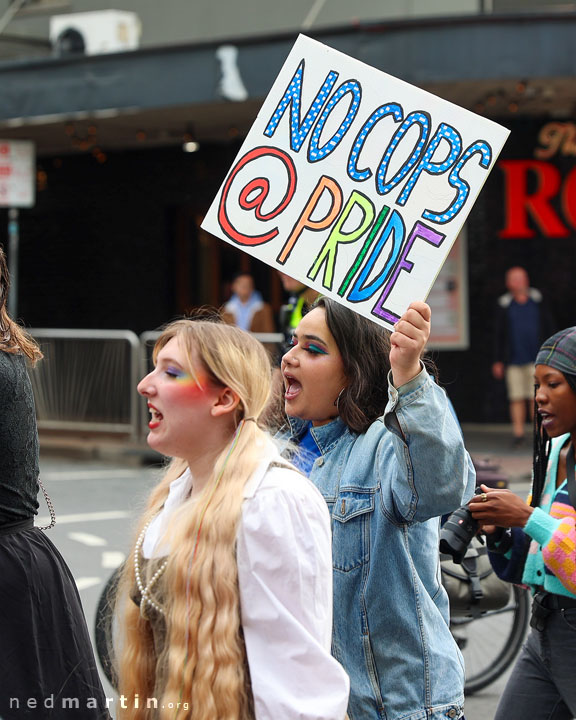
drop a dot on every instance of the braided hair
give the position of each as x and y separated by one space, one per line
541 454
559 352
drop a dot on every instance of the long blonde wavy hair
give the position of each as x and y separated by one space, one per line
203 665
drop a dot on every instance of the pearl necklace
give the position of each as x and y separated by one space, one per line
145 589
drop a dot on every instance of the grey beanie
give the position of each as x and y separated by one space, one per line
559 352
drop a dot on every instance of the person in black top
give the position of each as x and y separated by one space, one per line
47 666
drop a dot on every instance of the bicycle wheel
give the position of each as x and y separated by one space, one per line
104 627
491 642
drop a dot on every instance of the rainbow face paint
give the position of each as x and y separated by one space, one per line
313 371
180 402
189 384
309 346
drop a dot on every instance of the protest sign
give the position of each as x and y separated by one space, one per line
354 182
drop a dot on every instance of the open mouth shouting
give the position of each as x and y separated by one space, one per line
155 416
292 388
547 418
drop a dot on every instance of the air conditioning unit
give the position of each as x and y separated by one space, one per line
93 33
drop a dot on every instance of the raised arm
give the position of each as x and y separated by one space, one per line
435 474
408 340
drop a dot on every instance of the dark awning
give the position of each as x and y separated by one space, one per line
463 60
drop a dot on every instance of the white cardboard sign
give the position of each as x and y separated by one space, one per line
354 182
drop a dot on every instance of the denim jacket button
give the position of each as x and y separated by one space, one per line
320 462
451 713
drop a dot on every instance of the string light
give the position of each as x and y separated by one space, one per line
41 180
513 99
82 140
190 143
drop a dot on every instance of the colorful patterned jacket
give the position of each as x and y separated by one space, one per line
543 553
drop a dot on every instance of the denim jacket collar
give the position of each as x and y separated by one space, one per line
324 435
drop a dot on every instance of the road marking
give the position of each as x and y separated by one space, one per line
112 559
57 475
87 539
85 582
85 517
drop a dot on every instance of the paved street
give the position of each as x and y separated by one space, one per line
515 463
97 501
96 505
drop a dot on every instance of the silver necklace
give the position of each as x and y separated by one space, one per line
145 589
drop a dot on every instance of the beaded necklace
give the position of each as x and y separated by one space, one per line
145 589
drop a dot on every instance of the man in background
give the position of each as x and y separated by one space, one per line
246 308
522 324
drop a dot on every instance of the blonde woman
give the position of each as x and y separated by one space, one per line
227 599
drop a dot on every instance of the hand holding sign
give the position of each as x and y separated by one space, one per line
354 182
408 340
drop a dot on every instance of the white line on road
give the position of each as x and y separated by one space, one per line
87 539
85 517
85 582
112 559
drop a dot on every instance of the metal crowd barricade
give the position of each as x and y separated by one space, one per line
88 378
87 381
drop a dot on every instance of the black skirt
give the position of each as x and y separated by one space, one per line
47 665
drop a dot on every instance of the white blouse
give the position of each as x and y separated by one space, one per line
284 557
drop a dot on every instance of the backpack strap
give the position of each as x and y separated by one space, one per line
470 565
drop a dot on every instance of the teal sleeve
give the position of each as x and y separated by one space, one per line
541 526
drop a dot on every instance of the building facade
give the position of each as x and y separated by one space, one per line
114 239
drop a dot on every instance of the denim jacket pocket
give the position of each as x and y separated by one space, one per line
351 513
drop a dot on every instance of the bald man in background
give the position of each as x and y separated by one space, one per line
522 324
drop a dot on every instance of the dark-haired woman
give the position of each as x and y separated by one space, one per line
376 435
539 549
47 667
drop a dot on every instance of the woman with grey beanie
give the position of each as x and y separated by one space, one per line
535 544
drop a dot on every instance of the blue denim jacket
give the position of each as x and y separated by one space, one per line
386 489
